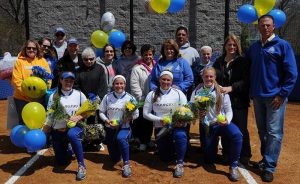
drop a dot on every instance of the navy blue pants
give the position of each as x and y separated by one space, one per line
60 141
229 132
117 144
173 145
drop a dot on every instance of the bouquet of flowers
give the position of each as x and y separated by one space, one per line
42 73
130 107
88 108
202 101
182 114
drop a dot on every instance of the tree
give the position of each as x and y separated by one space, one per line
15 9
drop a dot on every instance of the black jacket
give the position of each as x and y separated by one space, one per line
91 80
237 76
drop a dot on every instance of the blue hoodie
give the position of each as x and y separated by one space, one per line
181 70
273 68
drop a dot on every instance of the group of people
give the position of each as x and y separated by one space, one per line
267 73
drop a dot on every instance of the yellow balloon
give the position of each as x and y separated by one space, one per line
263 6
34 87
34 115
160 6
99 38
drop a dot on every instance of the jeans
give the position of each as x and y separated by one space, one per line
117 144
230 132
19 107
60 141
174 142
269 123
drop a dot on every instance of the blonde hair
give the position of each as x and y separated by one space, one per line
219 99
236 41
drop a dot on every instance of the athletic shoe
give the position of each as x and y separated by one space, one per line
143 147
126 171
259 165
267 176
234 174
151 144
178 173
81 172
100 147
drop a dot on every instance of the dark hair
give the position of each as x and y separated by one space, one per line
182 28
38 53
147 47
112 46
156 94
129 44
169 42
265 16
52 50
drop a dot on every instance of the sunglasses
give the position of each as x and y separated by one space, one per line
127 48
46 46
89 59
109 51
31 48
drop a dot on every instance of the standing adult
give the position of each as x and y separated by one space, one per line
71 61
233 75
49 52
160 103
29 56
139 82
60 43
273 74
107 63
172 61
90 78
125 63
117 123
70 101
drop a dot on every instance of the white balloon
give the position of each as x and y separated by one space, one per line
107 21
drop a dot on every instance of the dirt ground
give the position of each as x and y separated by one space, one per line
146 167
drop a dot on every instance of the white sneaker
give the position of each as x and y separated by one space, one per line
143 147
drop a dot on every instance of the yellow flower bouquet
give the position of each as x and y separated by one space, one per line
183 114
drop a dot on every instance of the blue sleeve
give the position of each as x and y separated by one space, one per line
154 78
188 77
290 71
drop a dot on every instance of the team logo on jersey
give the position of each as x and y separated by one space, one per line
271 50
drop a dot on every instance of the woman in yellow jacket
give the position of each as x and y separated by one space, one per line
29 56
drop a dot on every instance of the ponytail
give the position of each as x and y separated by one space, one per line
219 99
156 95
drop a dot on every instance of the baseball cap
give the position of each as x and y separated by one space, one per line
73 41
68 75
60 29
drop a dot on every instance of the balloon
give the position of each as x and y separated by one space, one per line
263 6
117 38
35 140
99 52
107 21
160 6
247 14
17 135
34 87
279 17
176 6
99 39
34 115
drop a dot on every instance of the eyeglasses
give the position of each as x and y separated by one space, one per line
31 48
46 46
109 51
89 59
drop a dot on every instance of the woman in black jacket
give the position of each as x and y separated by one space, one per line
232 74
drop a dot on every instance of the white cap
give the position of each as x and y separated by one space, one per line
118 76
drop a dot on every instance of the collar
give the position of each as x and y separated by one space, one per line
66 93
163 91
268 40
119 95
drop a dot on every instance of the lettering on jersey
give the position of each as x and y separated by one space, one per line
71 106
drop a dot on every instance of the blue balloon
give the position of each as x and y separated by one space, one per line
99 52
176 6
35 140
247 14
117 38
279 17
17 135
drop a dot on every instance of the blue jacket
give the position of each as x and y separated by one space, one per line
273 68
182 73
